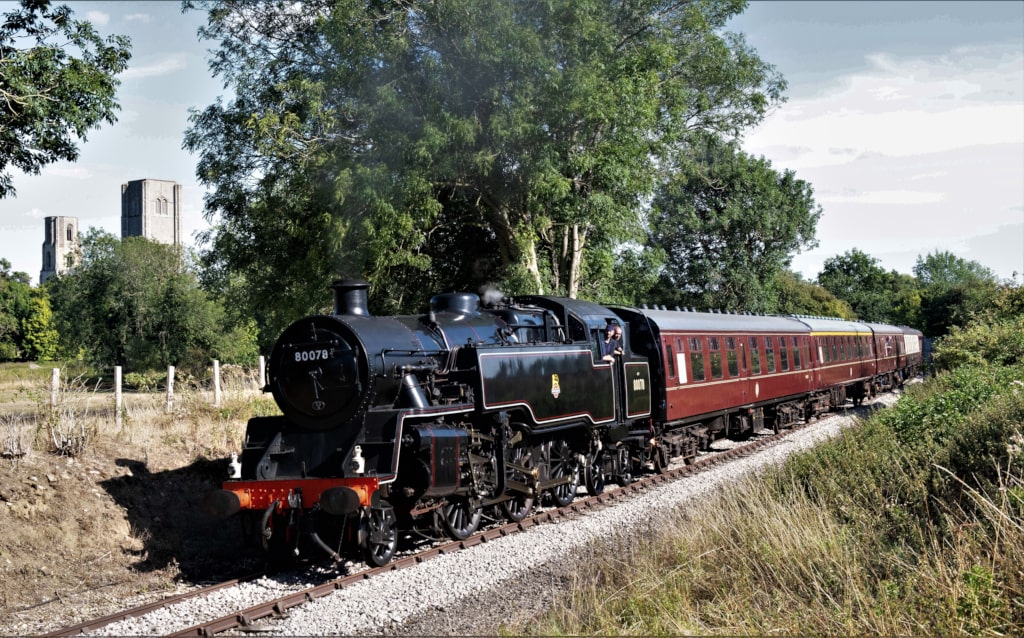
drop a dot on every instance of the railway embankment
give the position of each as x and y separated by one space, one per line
911 524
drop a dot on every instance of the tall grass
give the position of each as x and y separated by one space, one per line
893 528
84 416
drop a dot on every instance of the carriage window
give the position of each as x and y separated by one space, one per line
783 354
670 360
716 358
823 352
755 357
842 348
769 354
835 350
730 355
697 359
796 353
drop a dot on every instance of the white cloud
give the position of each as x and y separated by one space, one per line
903 107
36 213
144 18
163 66
98 18
931 175
896 197
909 155
71 171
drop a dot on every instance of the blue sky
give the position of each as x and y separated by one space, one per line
907 118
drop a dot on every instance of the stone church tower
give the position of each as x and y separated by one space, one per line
61 246
151 208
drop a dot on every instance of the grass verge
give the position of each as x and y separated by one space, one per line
908 524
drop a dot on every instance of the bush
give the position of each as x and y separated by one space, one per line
145 381
999 343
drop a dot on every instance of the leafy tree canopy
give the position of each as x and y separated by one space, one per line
994 336
799 297
856 278
953 291
57 81
26 329
728 224
137 303
456 142
943 269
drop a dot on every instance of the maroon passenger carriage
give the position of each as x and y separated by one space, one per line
720 374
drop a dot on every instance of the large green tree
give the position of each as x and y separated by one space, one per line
15 303
26 326
953 290
728 224
404 141
799 297
138 303
57 81
857 278
874 293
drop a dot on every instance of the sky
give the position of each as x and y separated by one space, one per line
906 118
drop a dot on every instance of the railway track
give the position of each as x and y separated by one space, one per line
278 607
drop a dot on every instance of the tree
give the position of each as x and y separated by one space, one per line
953 290
363 137
856 278
728 224
40 341
137 303
994 336
57 81
799 297
15 306
26 328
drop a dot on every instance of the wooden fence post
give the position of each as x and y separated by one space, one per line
54 388
170 389
118 421
216 382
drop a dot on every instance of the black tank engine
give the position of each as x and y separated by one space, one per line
424 422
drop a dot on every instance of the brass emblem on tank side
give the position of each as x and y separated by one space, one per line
555 389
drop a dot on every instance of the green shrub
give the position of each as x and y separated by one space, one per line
145 381
999 342
931 413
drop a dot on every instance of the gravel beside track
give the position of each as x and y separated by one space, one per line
476 591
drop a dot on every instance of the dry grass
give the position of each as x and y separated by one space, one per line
753 562
93 513
832 544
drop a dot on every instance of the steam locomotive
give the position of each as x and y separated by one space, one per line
427 422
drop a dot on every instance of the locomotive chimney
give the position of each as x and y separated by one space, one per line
350 297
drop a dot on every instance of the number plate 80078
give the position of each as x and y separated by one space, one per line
313 355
